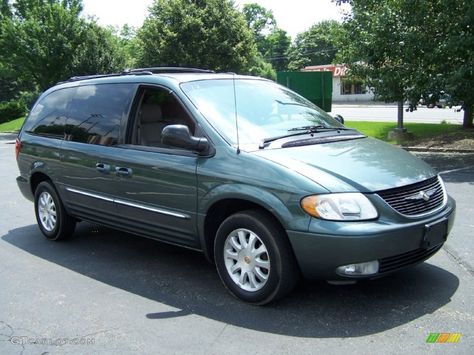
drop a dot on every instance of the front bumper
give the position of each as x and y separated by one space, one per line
395 245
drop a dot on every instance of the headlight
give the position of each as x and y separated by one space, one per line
339 207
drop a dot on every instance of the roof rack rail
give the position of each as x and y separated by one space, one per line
85 77
163 70
140 71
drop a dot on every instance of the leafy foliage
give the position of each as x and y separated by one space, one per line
199 33
277 44
316 46
10 110
404 49
45 41
272 42
261 21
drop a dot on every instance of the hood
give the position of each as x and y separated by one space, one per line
365 165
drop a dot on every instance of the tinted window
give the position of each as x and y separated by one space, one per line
48 116
96 111
158 109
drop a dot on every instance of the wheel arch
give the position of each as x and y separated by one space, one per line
215 210
36 178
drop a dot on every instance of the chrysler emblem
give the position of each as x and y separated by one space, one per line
422 195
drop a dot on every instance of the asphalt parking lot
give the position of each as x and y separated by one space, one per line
386 113
104 291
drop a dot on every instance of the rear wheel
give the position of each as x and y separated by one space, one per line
254 258
51 216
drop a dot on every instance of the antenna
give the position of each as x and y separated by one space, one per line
236 115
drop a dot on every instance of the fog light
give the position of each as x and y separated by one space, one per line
368 268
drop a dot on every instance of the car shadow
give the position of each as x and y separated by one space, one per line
184 280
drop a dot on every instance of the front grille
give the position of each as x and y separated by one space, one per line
396 262
411 200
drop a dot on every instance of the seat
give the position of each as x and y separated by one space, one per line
150 125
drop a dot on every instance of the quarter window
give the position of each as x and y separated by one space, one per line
48 116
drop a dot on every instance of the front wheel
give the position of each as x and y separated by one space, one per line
254 258
51 216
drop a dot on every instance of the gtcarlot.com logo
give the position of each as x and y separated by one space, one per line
25 340
443 338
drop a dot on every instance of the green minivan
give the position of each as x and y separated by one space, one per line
264 183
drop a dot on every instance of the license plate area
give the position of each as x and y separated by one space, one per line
435 233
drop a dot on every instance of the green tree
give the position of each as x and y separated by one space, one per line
45 41
272 42
404 48
276 49
199 33
128 45
316 46
5 11
260 67
454 56
101 51
261 21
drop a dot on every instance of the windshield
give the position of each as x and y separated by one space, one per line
265 110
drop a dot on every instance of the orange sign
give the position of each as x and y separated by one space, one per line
338 70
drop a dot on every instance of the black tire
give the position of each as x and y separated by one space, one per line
47 199
283 273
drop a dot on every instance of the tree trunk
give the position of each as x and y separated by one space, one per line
468 116
400 117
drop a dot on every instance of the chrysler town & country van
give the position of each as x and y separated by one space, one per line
263 182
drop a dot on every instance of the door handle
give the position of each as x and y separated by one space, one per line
103 168
121 171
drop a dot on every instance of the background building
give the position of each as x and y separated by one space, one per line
344 90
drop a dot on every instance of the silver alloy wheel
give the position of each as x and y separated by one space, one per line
47 211
246 259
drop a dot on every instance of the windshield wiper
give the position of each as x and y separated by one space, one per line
316 128
301 131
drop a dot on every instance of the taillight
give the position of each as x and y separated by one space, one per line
17 147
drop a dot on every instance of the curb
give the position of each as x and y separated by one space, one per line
437 150
8 136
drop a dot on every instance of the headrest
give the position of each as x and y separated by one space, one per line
150 113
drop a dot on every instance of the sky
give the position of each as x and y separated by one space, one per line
294 16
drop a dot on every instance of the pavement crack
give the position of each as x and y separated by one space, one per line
458 260
10 336
6 325
220 333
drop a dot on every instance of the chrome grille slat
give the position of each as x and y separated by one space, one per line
395 195
399 198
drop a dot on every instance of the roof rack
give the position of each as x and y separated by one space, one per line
163 70
85 77
140 71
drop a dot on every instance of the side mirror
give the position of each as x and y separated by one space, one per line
178 135
339 119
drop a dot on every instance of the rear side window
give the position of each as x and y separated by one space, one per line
48 116
96 111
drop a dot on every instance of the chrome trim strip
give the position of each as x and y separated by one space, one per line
108 199
130 204
152 209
